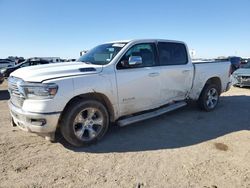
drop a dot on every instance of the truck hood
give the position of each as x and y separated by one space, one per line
40 73
242 72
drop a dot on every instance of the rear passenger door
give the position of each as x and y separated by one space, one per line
176 71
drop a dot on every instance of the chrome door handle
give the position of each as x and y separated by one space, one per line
153 74
185 71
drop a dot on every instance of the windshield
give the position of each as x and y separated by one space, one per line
102 54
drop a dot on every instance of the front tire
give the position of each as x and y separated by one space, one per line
209 97
84 122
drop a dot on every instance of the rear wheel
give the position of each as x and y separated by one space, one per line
209 97
84 122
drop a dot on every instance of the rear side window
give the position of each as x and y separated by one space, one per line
172 53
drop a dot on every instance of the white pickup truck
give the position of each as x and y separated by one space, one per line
121 82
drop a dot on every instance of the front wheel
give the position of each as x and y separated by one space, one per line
209 97
84 122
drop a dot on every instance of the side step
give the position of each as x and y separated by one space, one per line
148 115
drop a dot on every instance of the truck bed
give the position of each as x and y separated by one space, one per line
203 70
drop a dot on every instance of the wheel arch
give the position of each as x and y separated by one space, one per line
216 81
92 96
203 98
212 80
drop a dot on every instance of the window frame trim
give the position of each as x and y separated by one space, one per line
156 56
158 51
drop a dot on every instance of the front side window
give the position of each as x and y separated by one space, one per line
145 51
102 54
172 53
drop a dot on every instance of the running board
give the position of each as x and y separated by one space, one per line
148 115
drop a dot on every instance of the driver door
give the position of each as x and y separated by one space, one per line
139 85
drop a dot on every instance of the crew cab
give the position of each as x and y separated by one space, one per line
120 82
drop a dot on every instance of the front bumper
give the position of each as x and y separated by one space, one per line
34 122
242 80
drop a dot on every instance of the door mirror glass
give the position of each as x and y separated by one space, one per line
135 60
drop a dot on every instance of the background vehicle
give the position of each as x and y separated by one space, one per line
241 77
51 59
6 63
122 82
1 78
19 60
83 52
244 61
235 63
70 60
29 62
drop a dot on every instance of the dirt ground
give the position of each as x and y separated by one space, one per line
185 148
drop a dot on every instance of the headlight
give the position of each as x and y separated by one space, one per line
38 91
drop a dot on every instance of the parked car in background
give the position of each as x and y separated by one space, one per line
241 77
51 59
19 60
6 63
70 60
16 59
1 78
29 62
235 63
244 61
83 52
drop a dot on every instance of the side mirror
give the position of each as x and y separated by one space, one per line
134 60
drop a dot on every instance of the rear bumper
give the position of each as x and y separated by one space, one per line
229 84
34 122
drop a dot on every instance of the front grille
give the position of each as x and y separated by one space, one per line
16 96
237 79
245 78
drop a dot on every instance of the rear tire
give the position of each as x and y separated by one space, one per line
84 122
209 97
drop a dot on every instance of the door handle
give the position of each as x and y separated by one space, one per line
185 71
153 74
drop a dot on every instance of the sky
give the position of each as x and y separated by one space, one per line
63 28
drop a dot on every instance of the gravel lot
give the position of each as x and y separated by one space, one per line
186 148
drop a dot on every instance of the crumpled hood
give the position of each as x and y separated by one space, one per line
242 71
40 73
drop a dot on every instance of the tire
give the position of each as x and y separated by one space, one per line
84 122
209 97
